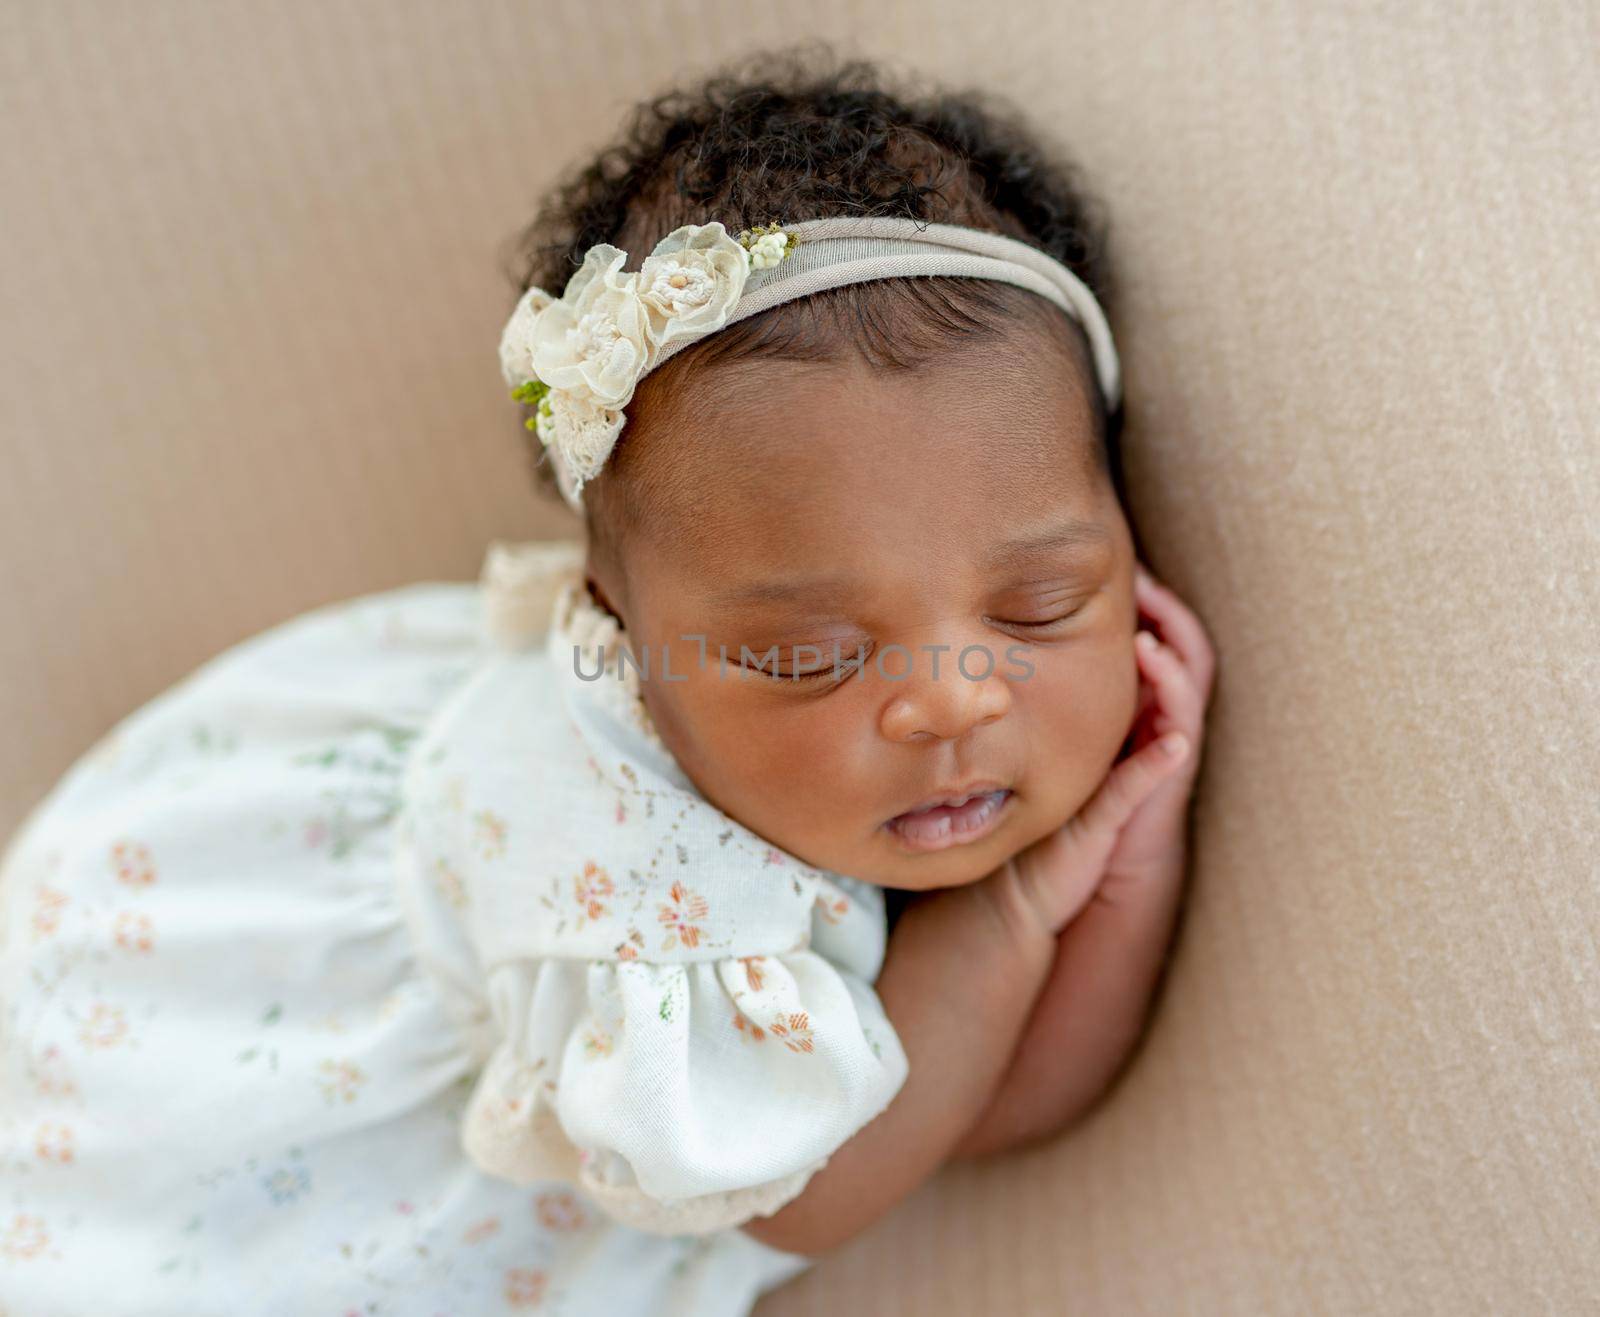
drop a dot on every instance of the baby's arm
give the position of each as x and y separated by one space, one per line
1086 1021
961 971
958 977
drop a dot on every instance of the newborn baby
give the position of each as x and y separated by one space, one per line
622 934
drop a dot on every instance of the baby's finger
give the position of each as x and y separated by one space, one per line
1058 875
1183 633
1176 619
1129 785
1179 627
1178 701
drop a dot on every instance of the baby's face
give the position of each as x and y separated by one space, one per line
950 526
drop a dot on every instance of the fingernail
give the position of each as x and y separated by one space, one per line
1174 744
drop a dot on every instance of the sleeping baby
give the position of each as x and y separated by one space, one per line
623 930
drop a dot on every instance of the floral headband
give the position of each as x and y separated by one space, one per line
576 359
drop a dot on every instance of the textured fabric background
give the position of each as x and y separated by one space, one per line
251 261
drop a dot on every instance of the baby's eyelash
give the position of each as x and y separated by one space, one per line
811 676
1036 626
848 660
794 678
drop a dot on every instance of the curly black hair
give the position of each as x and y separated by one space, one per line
797 133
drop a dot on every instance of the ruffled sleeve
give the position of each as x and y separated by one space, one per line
686 1097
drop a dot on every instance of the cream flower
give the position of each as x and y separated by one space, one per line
583 432
691 281
595 340
767 250
577 359
516 339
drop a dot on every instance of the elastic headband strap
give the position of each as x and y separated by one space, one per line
853 249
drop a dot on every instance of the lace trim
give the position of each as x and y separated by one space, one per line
599 638
701 1215
578 620
520 585
510 1130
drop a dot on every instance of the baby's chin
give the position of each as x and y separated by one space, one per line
958 867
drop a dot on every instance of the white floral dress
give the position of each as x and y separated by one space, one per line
388 964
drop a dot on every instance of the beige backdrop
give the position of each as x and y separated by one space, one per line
252 297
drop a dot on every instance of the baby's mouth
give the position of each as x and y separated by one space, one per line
951 820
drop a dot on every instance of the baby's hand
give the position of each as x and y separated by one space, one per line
1131 831
1109 881
1178 666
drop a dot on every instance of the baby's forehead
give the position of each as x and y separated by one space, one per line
980 391
798 456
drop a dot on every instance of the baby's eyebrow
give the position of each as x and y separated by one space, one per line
781 591
1065 535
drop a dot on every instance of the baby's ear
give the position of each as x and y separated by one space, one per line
597 591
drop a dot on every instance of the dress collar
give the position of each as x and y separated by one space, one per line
585 644
535 591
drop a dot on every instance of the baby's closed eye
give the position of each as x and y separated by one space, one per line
833 659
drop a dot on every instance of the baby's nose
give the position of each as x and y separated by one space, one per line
933 695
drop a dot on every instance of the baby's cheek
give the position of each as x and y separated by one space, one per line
1081 713
747 753
1121 713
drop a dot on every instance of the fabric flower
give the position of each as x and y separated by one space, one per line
594 342
577 359
691 281
516 339
582 432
